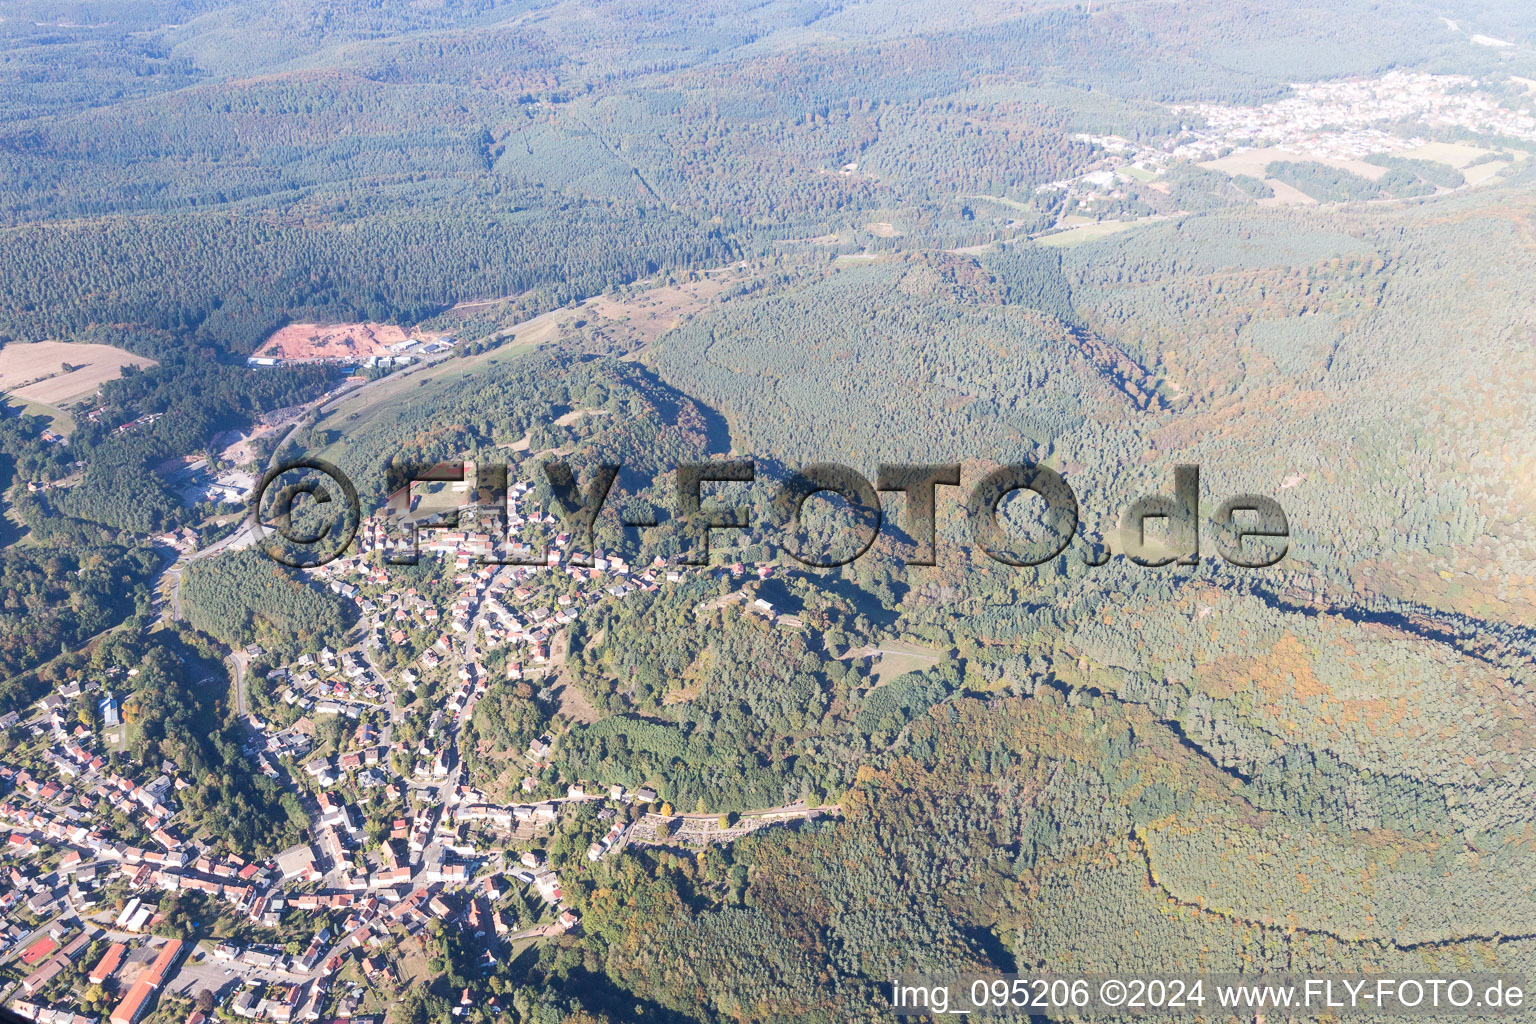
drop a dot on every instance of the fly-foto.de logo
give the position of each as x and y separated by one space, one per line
1249 531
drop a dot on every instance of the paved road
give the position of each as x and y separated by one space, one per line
246 535
238 661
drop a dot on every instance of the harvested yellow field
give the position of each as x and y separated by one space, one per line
1483 172
1457 154
59 373
1286 195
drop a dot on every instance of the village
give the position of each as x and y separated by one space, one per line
1339 123
400 844
373 737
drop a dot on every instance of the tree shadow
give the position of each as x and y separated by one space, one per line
599 992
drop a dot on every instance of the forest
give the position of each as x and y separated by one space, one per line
407 174
63 581
194 398
244 597
57 599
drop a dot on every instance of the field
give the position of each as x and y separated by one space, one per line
36 373
1453 154
1254 161
1484 172
1086 232
1460 156
1456 154
1286 195
898 657
1012 204
61 422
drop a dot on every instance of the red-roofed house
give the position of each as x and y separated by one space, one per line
168 954
109 963
133 1004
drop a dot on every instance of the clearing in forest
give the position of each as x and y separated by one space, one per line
336 341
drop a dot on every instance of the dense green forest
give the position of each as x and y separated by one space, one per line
374 175
194 399
244 597
56 599
64 583
629 418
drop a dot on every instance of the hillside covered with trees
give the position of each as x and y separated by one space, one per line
969 235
